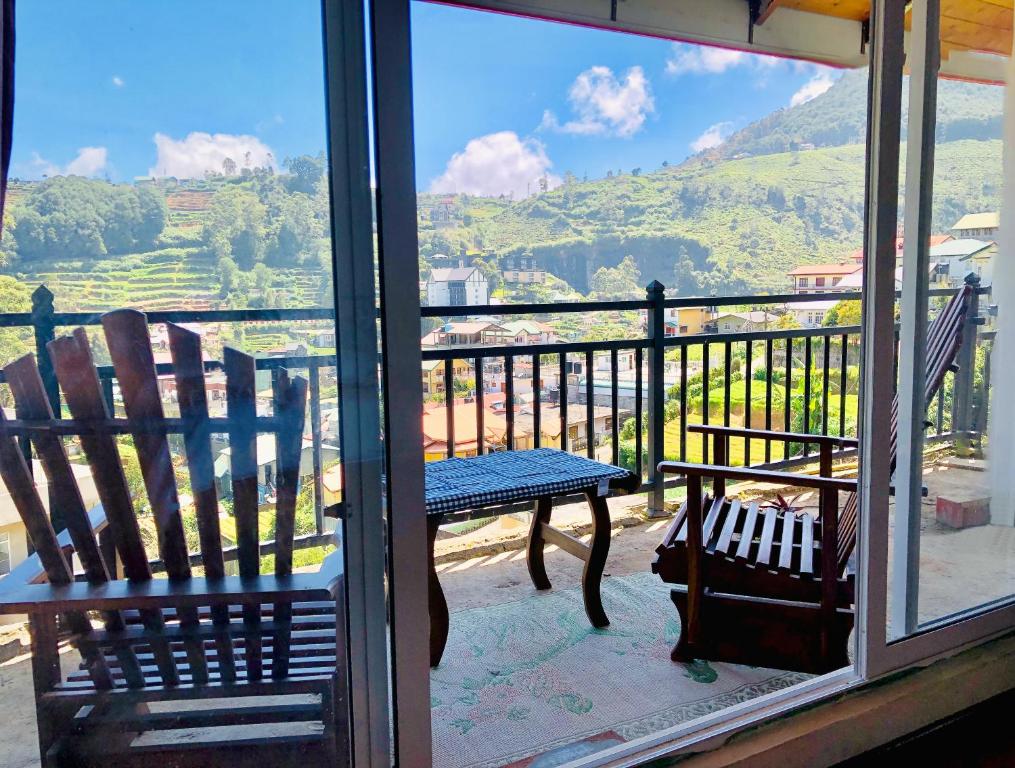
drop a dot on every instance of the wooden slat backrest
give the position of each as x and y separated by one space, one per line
130 348
31 403
192 397
79 380
944 338
18 478
134 364
290 407
75 370
188 367
242 414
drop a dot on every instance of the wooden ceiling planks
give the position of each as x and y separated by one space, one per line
972 25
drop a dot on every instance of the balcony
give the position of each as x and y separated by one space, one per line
628 402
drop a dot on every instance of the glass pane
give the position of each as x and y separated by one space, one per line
588 176
952 539
172 158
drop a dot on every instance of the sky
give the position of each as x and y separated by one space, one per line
118 89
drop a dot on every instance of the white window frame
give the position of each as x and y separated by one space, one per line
949 634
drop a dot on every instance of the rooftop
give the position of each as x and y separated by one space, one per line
444 274
824 269
985 220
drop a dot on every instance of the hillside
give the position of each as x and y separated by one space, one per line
838 117
727 227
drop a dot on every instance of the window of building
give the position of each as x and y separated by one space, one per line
819 281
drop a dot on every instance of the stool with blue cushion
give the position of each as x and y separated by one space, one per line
474 488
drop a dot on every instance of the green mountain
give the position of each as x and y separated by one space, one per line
839 116
783 191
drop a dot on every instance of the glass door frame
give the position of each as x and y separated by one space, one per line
875 655
377 679
881 654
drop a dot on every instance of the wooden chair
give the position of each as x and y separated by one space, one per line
165 642
765 586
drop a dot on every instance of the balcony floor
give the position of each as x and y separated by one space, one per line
525 681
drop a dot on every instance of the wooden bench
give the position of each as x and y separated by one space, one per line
168 640
482 485
771 587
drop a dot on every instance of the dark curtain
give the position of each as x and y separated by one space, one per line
6 97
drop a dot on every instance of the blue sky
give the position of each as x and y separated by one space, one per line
120 88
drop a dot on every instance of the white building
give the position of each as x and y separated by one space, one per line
981 225
457 287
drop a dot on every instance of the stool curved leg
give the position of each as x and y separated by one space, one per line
599 549
439 618
534 553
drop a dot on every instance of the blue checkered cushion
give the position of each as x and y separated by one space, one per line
457 484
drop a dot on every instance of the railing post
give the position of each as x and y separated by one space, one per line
657 396
44 325
962 397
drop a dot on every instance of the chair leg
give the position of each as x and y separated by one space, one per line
46 675
439 618
534 549
599 549
681 651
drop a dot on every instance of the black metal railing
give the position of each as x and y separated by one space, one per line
769 360
655 380
44 321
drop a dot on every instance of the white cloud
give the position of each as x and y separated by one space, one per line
712 137
813 88
495 164
200 152
701 59
604 104
118 81
89 162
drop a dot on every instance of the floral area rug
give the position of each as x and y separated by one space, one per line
531 683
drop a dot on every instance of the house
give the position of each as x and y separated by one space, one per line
577 421
809 314
685 321
857 255
530 332
435 431
267 465
522 270
819 278
467 334
733 322
433 374
956 258
457 287
979 225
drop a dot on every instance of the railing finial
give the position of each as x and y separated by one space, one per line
655 287
42 300
972 278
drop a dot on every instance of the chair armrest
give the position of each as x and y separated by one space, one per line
165 593
758 475
769 434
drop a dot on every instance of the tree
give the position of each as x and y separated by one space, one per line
843 313
235 226
619 282
262 277
490 271
296 231
72 217
229 167
305 172
228 272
